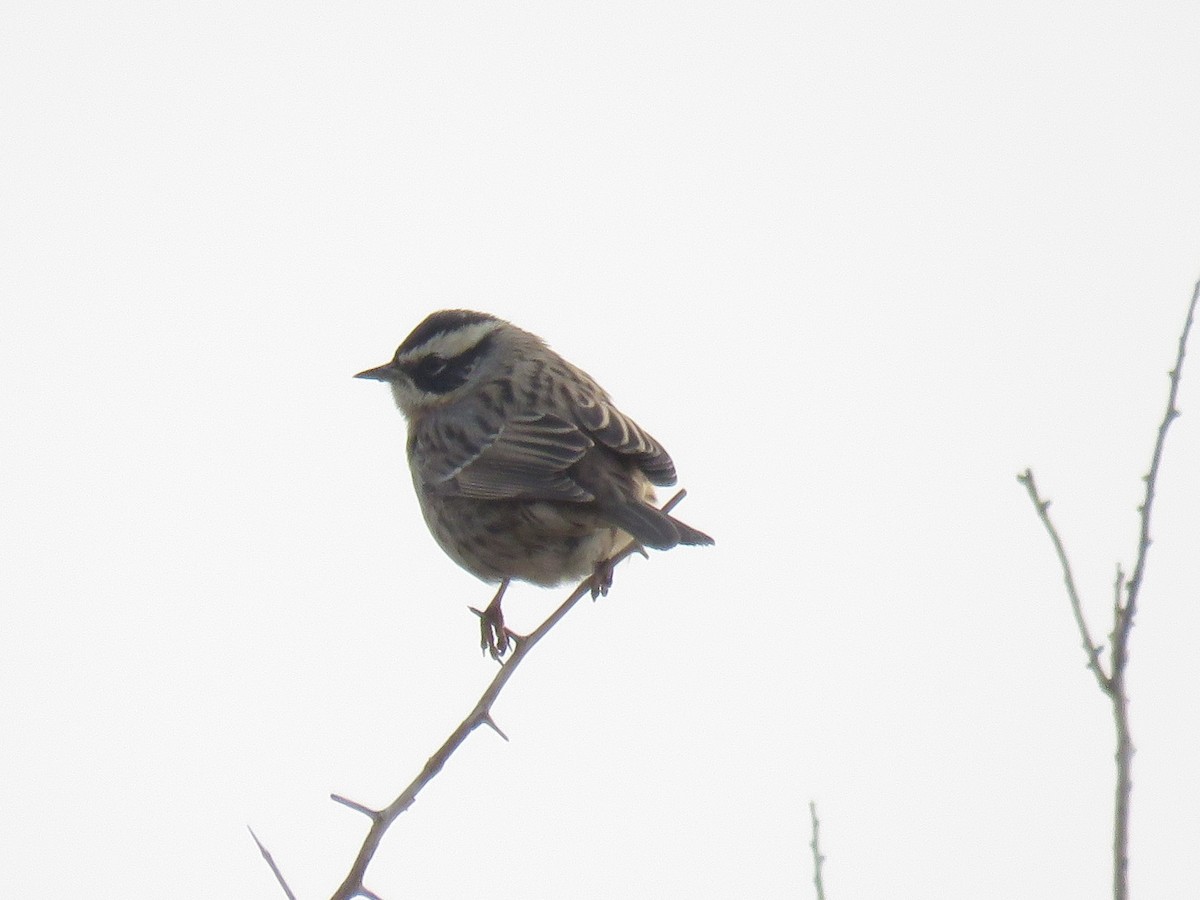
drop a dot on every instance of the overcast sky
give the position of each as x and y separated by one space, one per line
855 265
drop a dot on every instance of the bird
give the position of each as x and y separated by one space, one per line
523 467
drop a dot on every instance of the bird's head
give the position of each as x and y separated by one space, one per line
443 359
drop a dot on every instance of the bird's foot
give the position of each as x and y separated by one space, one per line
602 575
602 578
494 638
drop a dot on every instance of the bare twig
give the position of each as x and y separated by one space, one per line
1089 645
815 843
266 854
1125 598
382 819
1171 414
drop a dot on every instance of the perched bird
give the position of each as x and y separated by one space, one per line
523 467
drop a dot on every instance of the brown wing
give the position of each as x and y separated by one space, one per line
615 430
545 457
526 458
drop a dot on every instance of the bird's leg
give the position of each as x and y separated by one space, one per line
493 636
602 578
602 575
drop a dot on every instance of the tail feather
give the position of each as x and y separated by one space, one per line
692 537
653 528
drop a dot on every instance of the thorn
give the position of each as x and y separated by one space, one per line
491 723
371 814
478 612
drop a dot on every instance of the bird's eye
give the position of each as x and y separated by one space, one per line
432 366
436 374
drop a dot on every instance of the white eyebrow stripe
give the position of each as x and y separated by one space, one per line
450 344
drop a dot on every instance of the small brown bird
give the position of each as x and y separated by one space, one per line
523 467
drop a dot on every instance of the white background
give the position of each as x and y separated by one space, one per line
855 264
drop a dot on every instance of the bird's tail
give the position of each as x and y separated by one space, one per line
654 528
693 537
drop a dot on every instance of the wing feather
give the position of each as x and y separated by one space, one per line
615 430
526 458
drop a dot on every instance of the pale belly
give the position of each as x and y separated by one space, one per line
536 541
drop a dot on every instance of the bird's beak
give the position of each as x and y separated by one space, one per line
388 372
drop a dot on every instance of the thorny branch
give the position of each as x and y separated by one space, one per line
382 819
1125 599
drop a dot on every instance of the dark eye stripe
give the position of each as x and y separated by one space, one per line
435 375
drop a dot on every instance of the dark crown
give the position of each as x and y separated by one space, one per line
442 322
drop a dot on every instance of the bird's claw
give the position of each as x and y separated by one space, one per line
602 578
494 638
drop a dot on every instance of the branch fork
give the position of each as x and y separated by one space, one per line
1125 599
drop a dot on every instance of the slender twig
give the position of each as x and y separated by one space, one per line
1123 623
815 843
1089 645
1171 414
1125 599
382 819
266 854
